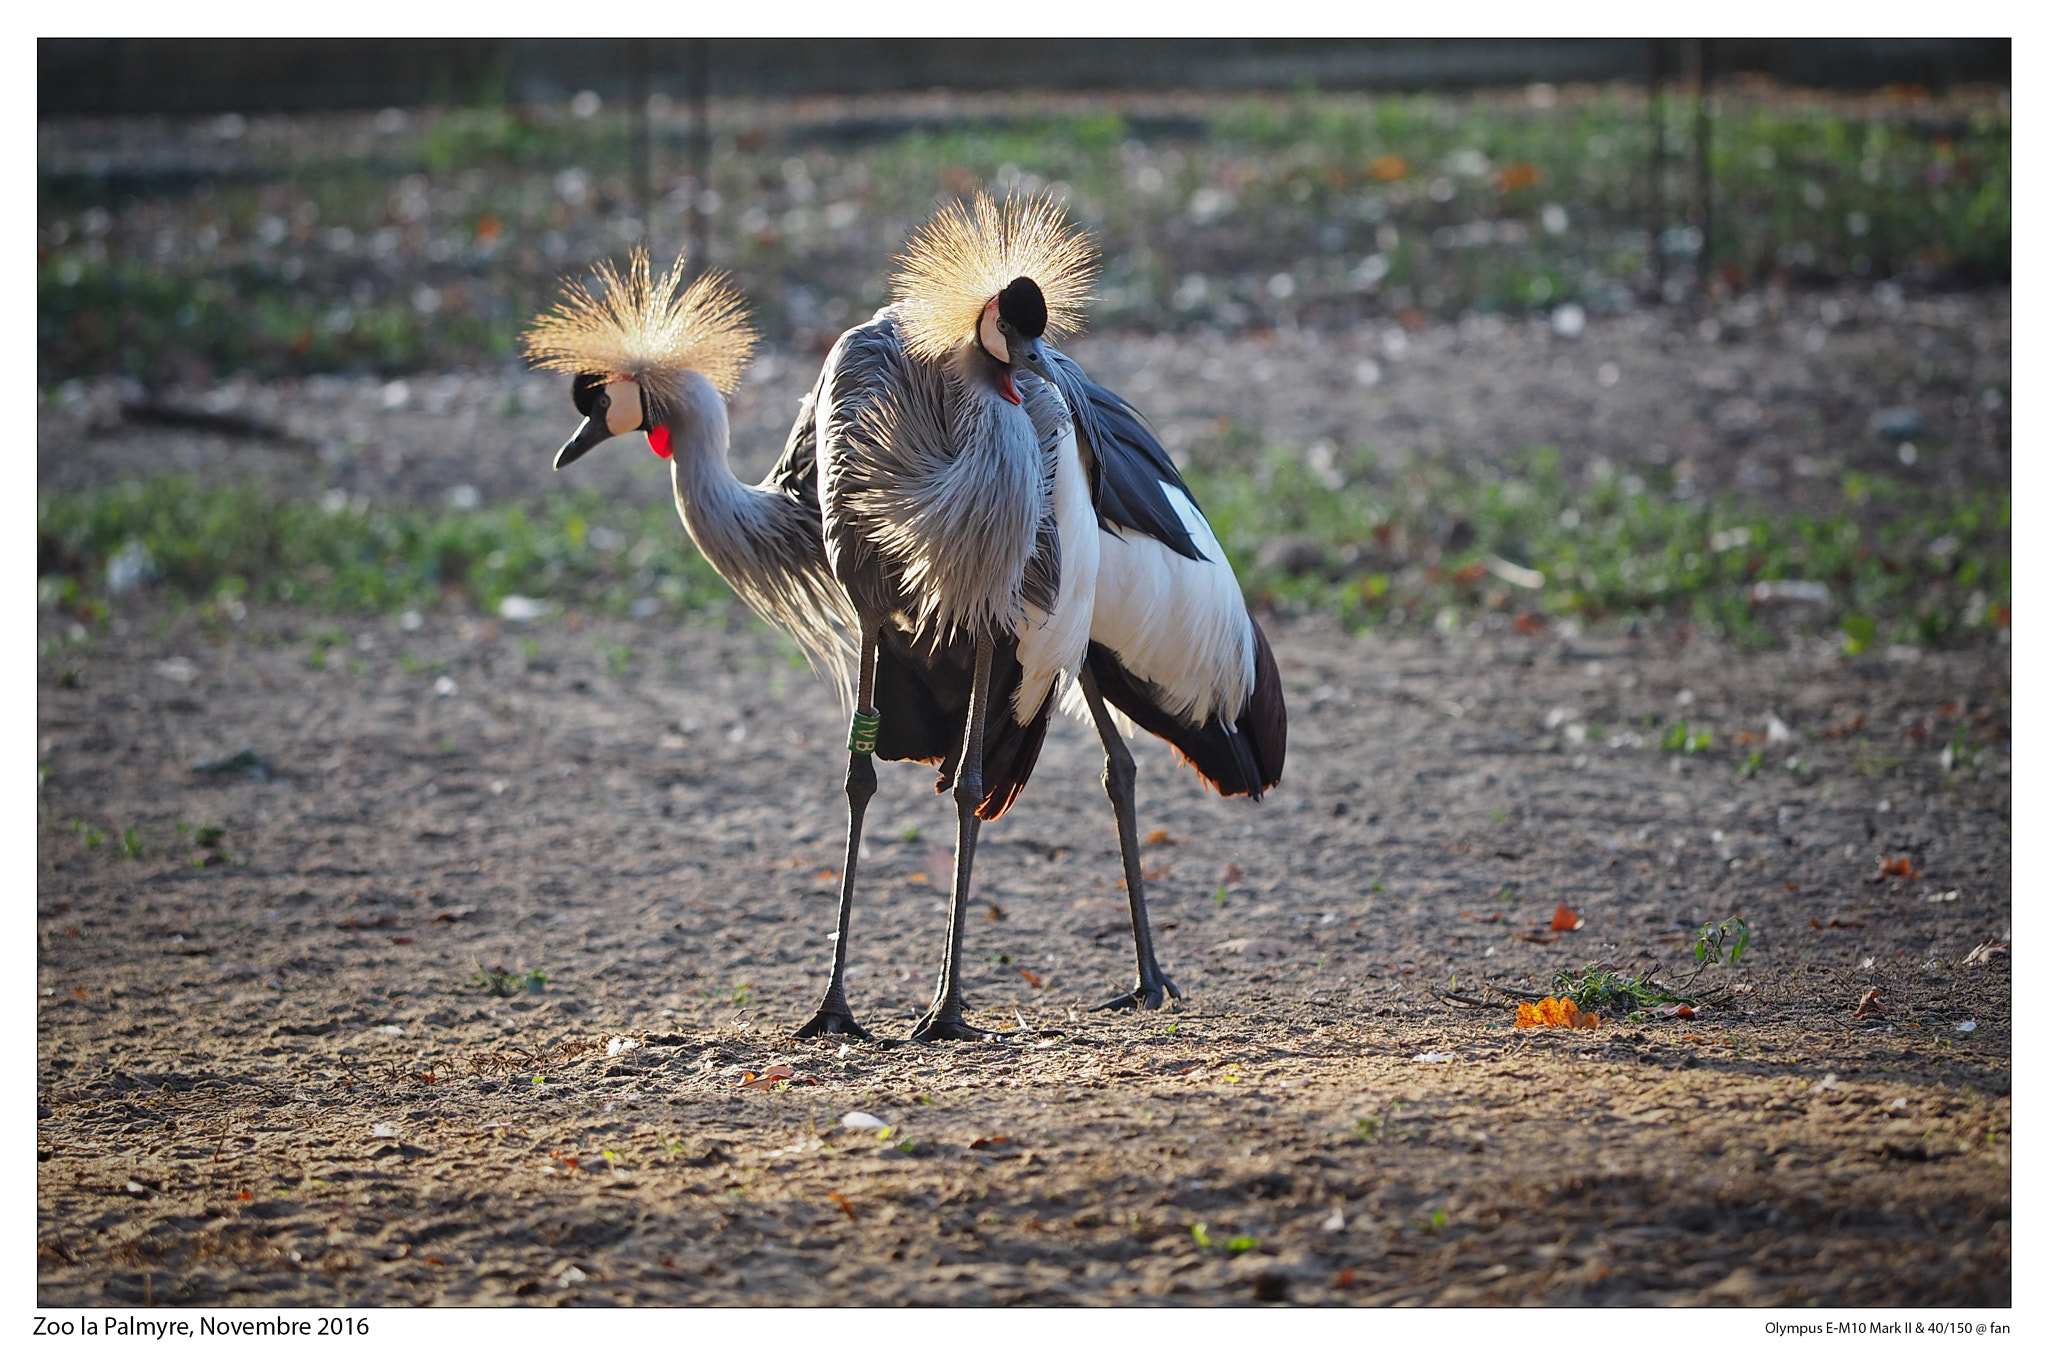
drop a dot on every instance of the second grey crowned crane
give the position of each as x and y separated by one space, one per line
958 519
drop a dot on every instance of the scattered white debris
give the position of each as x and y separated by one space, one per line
1776 731
1790 591
620 1046
1828 1084
130 567
575 1276
1520 576
1335 1222
135 1188
384 1131
1967 1026
444 686
177 668
862 1121
389 1030
410 620
1432 1058
520 608
1567 320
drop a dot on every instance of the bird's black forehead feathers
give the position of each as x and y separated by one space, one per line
584 390
1022 306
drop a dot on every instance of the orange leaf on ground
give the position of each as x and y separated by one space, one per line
844 1205
920 877
983 1142
1869 1006
1158 836
767 1079
1898 867
1028 975
1677 1011
1554 1012
1388 168
995 913
1564 918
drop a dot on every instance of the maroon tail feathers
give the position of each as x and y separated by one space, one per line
1243 758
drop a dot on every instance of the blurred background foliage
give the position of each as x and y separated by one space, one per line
173 253
386 242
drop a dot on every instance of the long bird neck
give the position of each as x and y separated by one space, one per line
700 441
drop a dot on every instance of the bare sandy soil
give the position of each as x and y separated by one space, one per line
265 1076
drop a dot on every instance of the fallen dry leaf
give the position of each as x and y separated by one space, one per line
983 1142
844 1205
1158 836
919 876
1158 873
1554 1012
768 1078
1564 918
995 913
1028 975
1869 1007
1982 953
1677 1011
1898 867
1231 873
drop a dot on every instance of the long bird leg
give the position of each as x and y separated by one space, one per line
944 1019
1120 779
834 1016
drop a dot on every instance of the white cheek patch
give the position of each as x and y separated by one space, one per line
992 335
624 413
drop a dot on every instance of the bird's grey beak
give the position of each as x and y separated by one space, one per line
1026 356
592 433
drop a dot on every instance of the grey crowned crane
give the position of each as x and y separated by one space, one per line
984 558
999 540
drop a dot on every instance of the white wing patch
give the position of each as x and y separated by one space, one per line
1052 645
1178 624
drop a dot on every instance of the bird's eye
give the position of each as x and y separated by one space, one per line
603 402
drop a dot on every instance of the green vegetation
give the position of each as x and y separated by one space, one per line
1425 546
218 546
1931 571
326 250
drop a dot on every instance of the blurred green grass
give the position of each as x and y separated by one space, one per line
332 249
1426 549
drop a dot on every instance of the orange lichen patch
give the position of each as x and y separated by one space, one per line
1552 1012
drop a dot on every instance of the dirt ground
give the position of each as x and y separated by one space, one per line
267 1074
265 1078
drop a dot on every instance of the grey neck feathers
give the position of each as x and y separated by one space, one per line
764 543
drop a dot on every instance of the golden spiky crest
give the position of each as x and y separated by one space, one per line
647 329
965 255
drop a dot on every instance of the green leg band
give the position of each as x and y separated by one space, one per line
861 738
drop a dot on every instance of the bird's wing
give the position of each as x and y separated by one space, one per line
1132 469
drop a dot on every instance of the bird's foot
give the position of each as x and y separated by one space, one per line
834 1020
1150 993
949 1026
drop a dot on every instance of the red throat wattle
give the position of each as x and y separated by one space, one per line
657 439
1007 386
